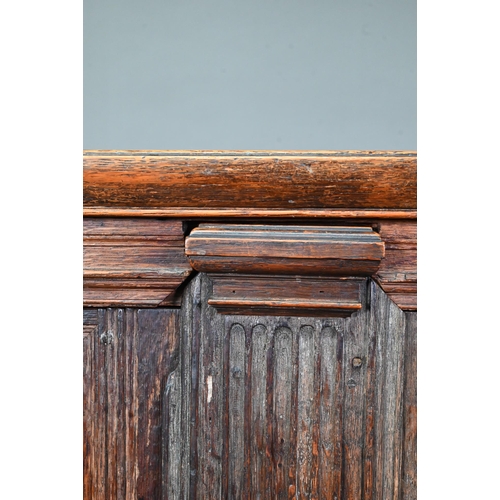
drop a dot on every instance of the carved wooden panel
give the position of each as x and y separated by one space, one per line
89 321
127 360
291 407
290 369
132 262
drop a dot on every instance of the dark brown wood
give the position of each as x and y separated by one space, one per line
285 295
354 403
397 274
89 406
132 262
388 323
285 249
409 474
294 407
89 321
290 369
307 446
277 252
240 179
127 361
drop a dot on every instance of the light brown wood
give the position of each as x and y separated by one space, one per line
252 213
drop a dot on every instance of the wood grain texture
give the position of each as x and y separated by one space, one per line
250 180
292 407
285 249
276 214
276 251
386 405
89 407
290 369
409 475
285 295
127 361
132 262
397 274
89 321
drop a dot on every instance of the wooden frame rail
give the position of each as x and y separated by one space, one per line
128 262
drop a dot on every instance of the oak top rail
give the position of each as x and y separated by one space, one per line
349 184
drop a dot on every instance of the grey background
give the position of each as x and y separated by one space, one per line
253 74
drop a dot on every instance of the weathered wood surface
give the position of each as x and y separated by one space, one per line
293 267
285 295
89 321
352 180
275 214
287 407
127 361
197 404
132 262
397 274
285 249
409 487
142 262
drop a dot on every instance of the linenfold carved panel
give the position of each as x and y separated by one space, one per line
289 407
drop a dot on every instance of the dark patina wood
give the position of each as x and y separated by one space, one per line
132 262
397 274
289 370
409 473
293 267
285 295
285 249
291 407
127 358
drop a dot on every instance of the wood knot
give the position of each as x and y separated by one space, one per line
357 362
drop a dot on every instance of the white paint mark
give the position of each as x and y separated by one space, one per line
209 384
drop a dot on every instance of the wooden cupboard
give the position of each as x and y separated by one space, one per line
249 325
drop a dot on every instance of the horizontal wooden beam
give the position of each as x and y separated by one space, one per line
239 181
285 249
132 262
185 213
285 295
